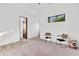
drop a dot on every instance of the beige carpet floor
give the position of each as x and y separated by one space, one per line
36 47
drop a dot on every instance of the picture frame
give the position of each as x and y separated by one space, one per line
56 18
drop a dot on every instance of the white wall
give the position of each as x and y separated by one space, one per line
70 26
9 20
34 29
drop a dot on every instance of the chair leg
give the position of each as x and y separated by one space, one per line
60 44
56 42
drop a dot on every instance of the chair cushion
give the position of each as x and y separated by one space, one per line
60 39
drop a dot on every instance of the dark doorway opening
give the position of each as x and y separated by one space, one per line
23 27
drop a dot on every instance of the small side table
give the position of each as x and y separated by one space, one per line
73 44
